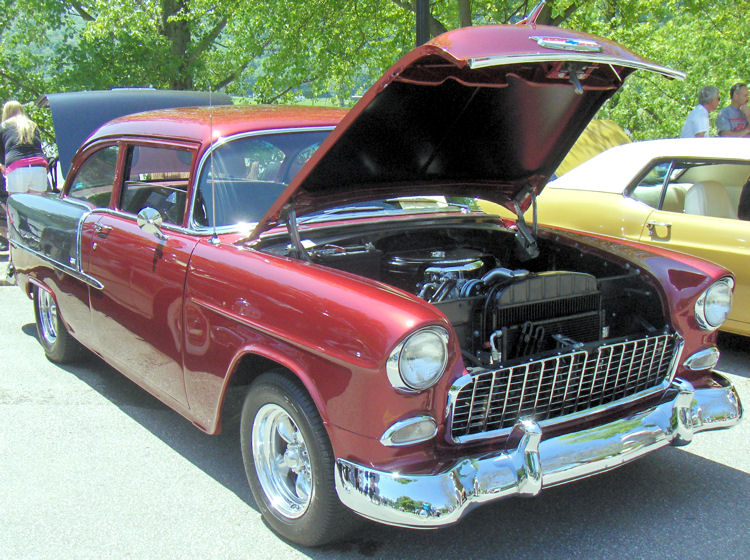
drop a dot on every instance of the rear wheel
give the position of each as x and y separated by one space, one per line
58 344
289 463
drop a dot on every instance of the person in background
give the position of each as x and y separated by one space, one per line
733 119
23 161
696 123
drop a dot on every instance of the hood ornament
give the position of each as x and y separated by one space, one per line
567 44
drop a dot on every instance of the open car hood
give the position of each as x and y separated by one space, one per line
75 115
480 111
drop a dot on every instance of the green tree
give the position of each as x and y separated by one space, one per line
271 50
703 38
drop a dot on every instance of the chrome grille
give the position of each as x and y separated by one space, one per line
560 385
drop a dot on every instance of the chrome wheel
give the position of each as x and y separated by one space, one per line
289 462
47 311
282 461
58 344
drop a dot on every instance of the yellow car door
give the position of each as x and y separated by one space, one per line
598 212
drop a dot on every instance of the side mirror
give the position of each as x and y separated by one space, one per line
149 220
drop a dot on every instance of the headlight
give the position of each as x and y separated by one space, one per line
419 361
713 306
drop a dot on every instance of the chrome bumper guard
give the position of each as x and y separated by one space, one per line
431 501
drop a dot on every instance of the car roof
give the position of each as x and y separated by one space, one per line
204 124
614 169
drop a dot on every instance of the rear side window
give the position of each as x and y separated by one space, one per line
709 188
156 177
95 178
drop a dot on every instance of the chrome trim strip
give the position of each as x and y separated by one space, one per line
60 267
79 243
529 464
462 381
134 218
591 58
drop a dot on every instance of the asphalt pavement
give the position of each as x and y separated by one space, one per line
91 466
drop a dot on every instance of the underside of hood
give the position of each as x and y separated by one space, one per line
481 111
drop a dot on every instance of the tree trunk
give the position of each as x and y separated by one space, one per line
177 32
464 12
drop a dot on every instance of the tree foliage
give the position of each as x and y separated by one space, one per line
272 50
705 39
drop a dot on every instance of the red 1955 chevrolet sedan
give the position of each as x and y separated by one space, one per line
402 355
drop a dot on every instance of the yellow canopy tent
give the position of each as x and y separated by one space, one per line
599 135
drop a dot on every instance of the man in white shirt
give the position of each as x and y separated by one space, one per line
696 124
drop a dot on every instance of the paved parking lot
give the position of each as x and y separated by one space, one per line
91 466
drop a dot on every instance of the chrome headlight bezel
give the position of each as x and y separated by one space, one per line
713 305
400 363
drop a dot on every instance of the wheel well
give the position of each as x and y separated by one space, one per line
250 367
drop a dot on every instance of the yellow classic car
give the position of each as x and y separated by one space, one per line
690 195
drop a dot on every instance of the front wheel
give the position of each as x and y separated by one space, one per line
58 344
289 463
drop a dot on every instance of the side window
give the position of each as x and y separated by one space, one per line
95 178
156 177
661 188
717 189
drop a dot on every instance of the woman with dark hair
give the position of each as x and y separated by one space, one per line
23 161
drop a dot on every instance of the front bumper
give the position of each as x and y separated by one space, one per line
430 501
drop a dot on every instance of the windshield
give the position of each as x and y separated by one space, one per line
242 177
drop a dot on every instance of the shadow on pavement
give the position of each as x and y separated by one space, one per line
218 456
670 504
735 354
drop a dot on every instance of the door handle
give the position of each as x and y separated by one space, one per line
654 235
102 231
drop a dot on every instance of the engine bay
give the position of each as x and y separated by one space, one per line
502 308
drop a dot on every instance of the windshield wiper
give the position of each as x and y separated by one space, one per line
352 209
342 210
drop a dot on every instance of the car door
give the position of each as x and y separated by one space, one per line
604 213
723 239
137 313
88 191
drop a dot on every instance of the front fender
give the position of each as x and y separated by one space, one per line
332 330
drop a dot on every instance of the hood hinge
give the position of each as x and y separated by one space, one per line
526 246
297 248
